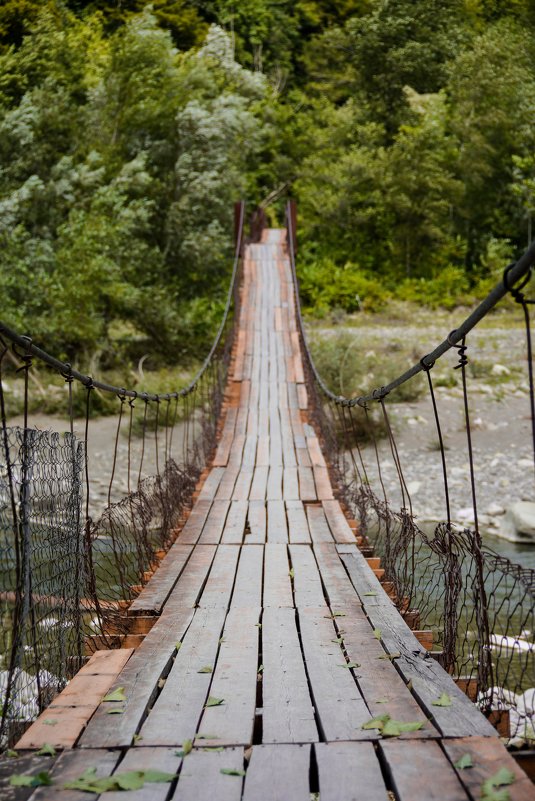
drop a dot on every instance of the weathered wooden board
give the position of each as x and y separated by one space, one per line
278 773
257 523
215 522
288 713
337 522
349 772
277 583
153 596
415 664
339 704
176 712
298 531
69 767
259 484
307 488
317 523
308 590
161 759
340 590
234 530
201 778
488 756
234 680
277 526
218 587
248 585
420 771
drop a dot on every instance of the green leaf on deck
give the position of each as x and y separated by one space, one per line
393 728
158 776
377 634
261 669
187 746
489 788
116 711
47 750
350 665
217 748
12 754
409 685
50 722
214 701
464 762
131 780
382 701
339 640
444 700
377 722
178 645
205 669
232 772
258 625
291 573
41 779
389 656
115 695
221 640
368 594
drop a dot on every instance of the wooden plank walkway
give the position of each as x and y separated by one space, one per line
274 642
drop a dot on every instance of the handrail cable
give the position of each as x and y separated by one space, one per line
519 269
65 368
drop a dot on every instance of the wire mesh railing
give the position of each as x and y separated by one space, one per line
89 510
477 605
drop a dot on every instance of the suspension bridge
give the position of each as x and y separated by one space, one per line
244 638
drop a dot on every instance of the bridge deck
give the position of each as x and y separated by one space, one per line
274 641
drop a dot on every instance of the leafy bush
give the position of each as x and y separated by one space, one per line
324 286
448 289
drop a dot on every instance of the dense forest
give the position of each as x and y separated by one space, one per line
405 129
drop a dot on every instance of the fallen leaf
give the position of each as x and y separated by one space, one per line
178 645
205 669
291 573
214 748
393 728
187 746
464 762
258 625
377 634
114 711
444 700
12 754
41 779
207 737
221 640
88 782
232 772
47 750
161 684
389 656
137 737
409 684
214 701
338 641
261 669
489 788
368 594
350 665
115 695
382 700
50 722
377 722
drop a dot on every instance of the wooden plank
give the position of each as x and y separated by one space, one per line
175 714
228 481
307 488
340 590
415 664
349 772
379 682
290 484
277 584
338 523
194 524
274 484
106 662
243 484
408 762
139 678
59 726
339 704
308 590
248 585
298 531
211 484
317 523
288 713
227 435
218 588
302 396
187 590
322 480
249 450
215 523
278 773
258 487
156 592
277 527
316 455
488 756
164 759
262 452
234 680
201 778
257 520
235 524
70 766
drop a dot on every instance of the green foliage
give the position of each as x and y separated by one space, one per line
324 286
